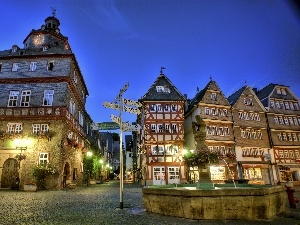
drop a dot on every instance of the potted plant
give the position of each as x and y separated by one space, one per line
30 186
40 172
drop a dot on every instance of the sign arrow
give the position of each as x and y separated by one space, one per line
131 102
111 105
131 110
132 127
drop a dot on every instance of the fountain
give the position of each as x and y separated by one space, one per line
230 173
207 201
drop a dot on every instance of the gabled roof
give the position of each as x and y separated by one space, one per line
169 93
235 96
212 85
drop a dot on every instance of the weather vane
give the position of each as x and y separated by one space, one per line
161 70
54 11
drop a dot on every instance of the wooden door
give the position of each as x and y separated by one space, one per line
9 173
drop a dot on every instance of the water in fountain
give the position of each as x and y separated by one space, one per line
230 173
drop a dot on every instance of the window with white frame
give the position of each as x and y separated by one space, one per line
32 66
277 105
48 97
207 111
174 128
295 120
298 120
152 108
243 133
167 128
290 137
287 105
159 108
174 108
167 108
83 95
43 158
296 106
75 77
294 135
278 91
14 128
284 137
259 134
280 120
72 107
15 67
213 111
291 106
283 92
213 96
225 112
248 134
248 101
153 128
272 105
40 128
226 131
256 117
251 116
281 105
276 120
25 98
286 121
80 118
291 120
240 115
13 98
160 128
159 88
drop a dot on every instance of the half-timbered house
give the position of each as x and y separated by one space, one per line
213 108
283 116
252 145
162 122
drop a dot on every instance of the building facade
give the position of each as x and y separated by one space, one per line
42 109
252 145
213 108
283 117
162 121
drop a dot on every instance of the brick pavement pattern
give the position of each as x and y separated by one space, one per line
99 205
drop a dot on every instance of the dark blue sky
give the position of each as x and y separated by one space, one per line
128 41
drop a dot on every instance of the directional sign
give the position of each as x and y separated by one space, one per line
131 110
124 88
111 105
105 126
132 127
115 119
131 102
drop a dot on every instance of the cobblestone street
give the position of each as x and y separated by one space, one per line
99 204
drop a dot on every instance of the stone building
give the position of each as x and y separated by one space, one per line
162 122
283 117
214 110
252 145
42 109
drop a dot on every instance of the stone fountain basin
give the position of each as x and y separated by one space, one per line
248 203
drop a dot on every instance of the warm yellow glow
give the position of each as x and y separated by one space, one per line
184 151
89 153
101 161
19 142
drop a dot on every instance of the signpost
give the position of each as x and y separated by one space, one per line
129 106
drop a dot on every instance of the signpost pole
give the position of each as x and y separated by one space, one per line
121 156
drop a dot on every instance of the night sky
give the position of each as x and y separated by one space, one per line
235 42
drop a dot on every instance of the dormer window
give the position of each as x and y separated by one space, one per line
162 89
248 101
14 48
283 92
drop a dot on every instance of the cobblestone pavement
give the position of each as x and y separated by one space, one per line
99 204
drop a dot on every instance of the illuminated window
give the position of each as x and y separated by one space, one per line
25 98
43 158
40 128
13 98
14 128
48 97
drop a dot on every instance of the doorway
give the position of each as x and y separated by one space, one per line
9 173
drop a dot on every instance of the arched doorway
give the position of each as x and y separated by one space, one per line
9 173
66 174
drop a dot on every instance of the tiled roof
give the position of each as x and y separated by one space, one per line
170 92
235 96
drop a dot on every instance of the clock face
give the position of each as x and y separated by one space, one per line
38 39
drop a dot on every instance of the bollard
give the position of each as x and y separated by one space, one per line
290 192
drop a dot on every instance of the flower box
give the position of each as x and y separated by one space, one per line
30 187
